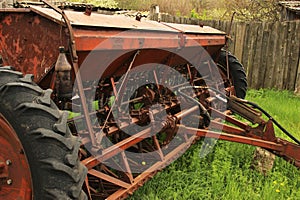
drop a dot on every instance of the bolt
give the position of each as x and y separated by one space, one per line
8 162
9 182
284 143
2 165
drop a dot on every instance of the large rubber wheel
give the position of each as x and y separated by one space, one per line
237 73
50 148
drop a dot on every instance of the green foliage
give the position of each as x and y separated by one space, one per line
138 106
100 3
225 173
178 14
246 10
107 3
203 16
254 10
194 14
134 4
111 101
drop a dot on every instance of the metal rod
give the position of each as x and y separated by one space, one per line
150 172
190 74
233 138
156 82
117 148
127 166
281 148
76 70
101 134
128 142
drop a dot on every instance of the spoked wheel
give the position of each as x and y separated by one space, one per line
136 119
137 141
15 176
39 155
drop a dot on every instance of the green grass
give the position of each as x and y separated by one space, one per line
282 105
225 173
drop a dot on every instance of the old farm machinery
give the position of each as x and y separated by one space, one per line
135 94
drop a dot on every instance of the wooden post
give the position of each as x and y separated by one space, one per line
154 12
239 41
295 57
280 51
245 50
252 41
257 55
263 64
269 57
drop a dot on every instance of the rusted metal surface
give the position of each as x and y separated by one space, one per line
115 149
104 21
186 28
31 52
280 147
15 177
146 34
87 40
35 51
123 22
33 48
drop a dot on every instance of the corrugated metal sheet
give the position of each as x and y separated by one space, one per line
291 5
122 22
100 20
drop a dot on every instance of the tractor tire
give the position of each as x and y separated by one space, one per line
50 148
237 73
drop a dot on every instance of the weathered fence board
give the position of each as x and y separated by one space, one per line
295 55
270 52
239 42
266 42
297 86
270 56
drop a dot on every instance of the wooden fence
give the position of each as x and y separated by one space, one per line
270 52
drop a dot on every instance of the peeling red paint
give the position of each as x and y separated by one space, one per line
36 48
16 45
8 20
33 46
37 20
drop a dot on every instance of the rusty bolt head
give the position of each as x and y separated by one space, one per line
8 162
9 182
88 10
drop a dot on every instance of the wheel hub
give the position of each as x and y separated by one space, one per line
15 177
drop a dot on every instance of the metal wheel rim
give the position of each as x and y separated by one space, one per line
15 176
